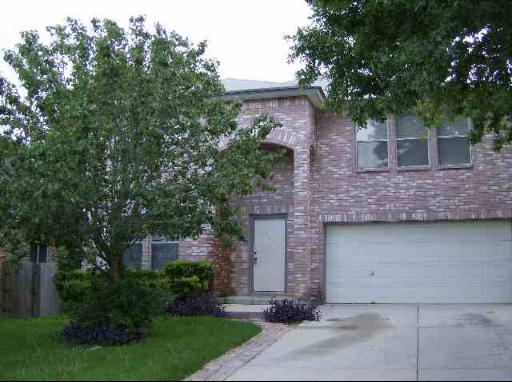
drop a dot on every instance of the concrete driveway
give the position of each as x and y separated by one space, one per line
393 342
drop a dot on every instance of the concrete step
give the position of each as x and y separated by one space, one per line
246 312
253 300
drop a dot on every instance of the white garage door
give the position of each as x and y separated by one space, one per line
442 262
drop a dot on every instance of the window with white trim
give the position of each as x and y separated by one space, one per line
411 141
453 143
372 146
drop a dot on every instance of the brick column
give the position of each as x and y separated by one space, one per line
220 258
299 247
146 253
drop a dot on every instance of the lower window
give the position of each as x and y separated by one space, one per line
162 252
132 257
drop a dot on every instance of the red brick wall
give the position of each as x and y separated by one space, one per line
319 183
261 203
342 194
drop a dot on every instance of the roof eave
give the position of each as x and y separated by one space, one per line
315 94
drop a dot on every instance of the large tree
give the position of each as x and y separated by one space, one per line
114 134
436 57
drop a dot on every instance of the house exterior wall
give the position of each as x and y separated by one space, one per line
343 194
320 184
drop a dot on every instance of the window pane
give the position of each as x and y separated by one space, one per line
132 257
43 254
163 253
372 154
374 131
460 127
454 151
34 253
408 126
39 254
412 152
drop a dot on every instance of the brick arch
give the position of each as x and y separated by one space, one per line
282 138
277 137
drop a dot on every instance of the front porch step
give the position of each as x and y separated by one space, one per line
246 312
253 300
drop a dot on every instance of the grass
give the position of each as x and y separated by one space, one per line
30 349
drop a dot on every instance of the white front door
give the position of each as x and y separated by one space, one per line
441 262
269 255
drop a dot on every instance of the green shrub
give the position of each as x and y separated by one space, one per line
72 285
188 278
91 298
202 304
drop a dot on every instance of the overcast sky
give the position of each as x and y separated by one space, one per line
246 36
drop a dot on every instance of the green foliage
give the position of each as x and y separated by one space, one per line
114 134
72 286
91 298
435 57
31 350
188 278
199 304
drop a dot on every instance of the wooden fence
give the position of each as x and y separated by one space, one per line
28 290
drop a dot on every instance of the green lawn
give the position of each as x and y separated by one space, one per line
31 350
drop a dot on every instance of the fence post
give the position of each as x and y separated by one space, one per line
5 289
35 289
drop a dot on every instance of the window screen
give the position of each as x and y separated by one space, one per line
453 143
411 142
372 146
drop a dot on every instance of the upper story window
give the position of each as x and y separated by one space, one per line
411 141
372 146
453 143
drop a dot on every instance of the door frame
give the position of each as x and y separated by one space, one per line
253 218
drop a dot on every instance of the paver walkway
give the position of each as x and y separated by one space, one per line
225 366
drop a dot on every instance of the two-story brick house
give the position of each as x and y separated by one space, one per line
396 213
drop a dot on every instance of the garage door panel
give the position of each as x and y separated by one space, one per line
498 292
497 231
413 232
420 262
499 273
499 252
353 234
456 232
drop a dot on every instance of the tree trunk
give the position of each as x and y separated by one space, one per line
117 268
